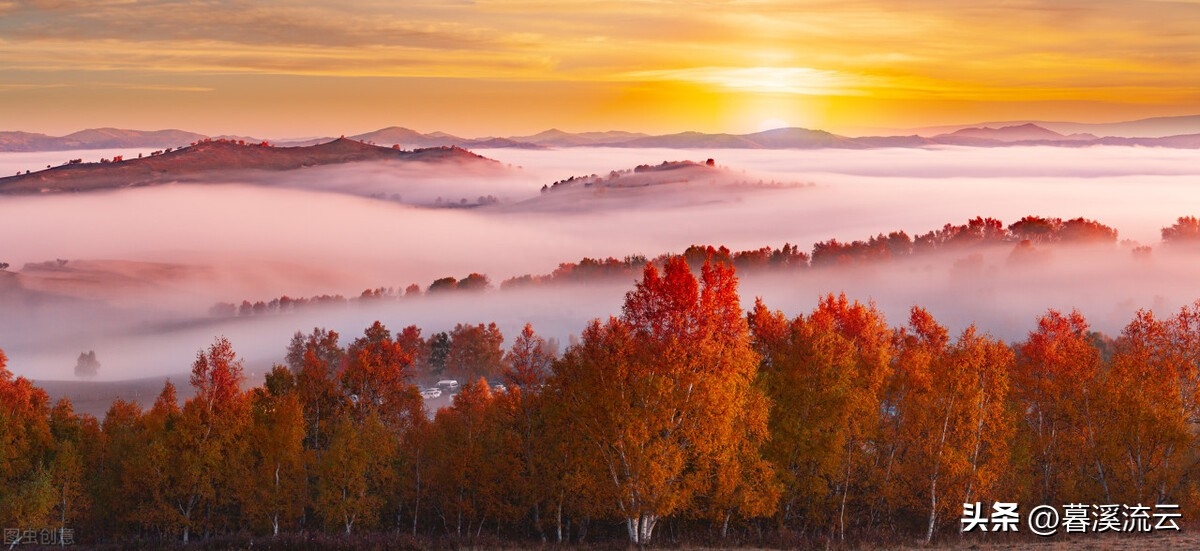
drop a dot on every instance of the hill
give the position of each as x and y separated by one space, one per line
96 138
669 184
210 157
404 137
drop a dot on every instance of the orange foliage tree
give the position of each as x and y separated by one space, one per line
470 465
475 351
277 483
1149 403
208 442
658 394
27 496
826 374
1058 388
949 421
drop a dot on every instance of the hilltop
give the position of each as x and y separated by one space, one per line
207 158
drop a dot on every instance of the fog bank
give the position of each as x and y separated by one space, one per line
143 265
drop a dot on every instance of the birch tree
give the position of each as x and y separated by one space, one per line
657 394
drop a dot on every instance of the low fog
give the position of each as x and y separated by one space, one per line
143 266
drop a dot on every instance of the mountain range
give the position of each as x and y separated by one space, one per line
1173 132
1155 127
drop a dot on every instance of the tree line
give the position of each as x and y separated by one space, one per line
1023 236
684 416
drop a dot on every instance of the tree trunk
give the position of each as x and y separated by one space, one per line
932 511
647 528
640 528
558 521
845 494
537 521
416 510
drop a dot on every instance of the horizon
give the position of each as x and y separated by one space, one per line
927 131
484 68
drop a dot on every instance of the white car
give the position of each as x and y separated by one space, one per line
431 393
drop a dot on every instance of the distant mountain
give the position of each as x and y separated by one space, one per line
407 138
1020 133
780 138
1156 127
1186 141
96 138
27 141
800 138
209 158
1170 132
557 138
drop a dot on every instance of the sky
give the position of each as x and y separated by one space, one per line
489 67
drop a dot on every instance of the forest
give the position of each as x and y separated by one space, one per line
685 419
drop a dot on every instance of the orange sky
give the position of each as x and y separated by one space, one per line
491 67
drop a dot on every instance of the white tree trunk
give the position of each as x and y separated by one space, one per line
647 528
641 528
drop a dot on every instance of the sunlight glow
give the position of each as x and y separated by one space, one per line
776 80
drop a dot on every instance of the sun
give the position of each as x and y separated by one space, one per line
772 124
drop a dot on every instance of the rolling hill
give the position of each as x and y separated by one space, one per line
208 158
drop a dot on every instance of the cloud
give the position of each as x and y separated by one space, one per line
29 86
694 65
774 80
